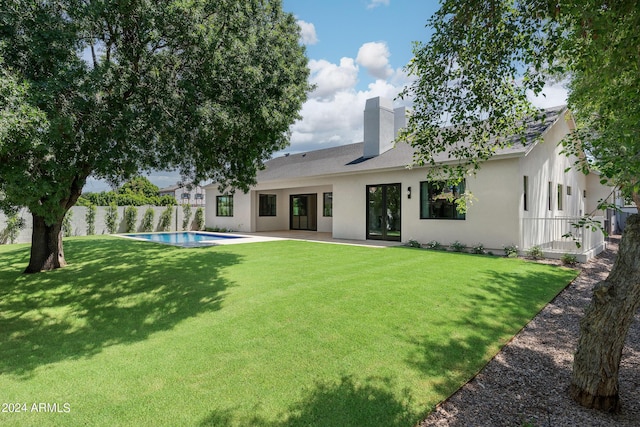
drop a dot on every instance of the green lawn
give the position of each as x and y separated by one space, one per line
280 333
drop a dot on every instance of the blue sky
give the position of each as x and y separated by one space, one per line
334 29
357 49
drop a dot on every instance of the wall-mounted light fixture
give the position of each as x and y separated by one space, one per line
408 192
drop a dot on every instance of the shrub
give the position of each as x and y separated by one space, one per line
511 251
130 218
105 198
111 218
218 229
165 219
478 248
435 245
147 220
186 211
67 227
414 244
200 218
457 246
535 252
568 259
91 219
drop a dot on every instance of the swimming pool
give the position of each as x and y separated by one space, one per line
186 239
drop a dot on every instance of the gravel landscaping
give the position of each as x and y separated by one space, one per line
526 384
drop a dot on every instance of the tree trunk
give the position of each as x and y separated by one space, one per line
604 327
46 246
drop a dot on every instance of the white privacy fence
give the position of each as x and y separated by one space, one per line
79 226
547 233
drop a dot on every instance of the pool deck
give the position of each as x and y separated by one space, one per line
266 236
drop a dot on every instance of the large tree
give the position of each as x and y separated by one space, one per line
112 88
472 83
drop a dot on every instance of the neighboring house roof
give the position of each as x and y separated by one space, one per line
176 187
169 189
347 159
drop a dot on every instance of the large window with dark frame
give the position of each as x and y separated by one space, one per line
224 205
438 200
327 204
267 205
560 197
525 199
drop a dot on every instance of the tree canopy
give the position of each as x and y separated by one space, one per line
475 75
473 78
110 89
139 185
137 191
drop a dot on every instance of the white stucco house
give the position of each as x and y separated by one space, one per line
194 195
361 191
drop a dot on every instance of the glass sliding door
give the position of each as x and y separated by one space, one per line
383 211
304 212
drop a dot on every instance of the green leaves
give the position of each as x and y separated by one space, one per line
473 76
110 89
467 95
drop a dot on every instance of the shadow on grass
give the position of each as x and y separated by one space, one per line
498 306
114 291
343 404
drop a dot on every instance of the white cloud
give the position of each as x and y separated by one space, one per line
307 32
553 94
330 78
336 120
334 112
375 3
374 56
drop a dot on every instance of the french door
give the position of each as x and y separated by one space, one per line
383 211
303 212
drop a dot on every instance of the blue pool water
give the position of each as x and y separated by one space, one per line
184 239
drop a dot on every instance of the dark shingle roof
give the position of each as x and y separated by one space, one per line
346 159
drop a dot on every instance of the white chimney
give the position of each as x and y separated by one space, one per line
379 127
400 120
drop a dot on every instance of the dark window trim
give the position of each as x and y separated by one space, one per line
269 208
560 197
526 193
229 203
326 213
463 217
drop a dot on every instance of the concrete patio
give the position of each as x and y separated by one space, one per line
314 236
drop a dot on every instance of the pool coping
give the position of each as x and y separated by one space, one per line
235 238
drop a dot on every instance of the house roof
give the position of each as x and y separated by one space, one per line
346 159
169 189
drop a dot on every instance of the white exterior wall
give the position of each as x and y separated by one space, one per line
595 193
491 219
246 207
242 209
546 222
544 164
272 223
495 218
